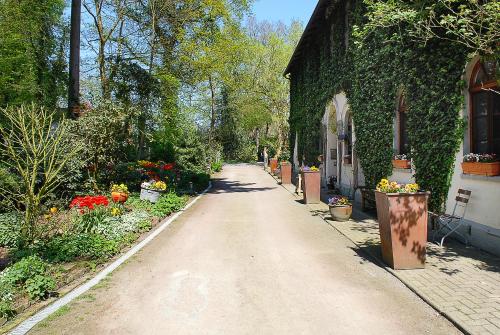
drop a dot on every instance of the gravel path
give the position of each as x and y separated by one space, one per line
248 259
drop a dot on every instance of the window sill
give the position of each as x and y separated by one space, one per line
495 179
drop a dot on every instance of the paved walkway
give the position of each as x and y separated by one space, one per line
462 283
249 259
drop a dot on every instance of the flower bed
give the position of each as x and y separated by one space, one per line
77 241
481 165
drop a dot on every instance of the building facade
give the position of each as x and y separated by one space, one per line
333 87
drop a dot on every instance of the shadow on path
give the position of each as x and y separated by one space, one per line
223 185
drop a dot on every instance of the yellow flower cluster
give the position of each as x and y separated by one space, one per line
159 185
387 186
115 211
313 168
122 188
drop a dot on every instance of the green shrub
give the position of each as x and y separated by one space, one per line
117 227
10 229
66 248
26 268
89 221
167 204
8 183
217 166
39 286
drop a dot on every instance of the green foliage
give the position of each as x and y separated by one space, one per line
373 70
32 53
35 149
9 183
118 227
10 229
39 286
20 272
89 220
166 205
217 166
69 247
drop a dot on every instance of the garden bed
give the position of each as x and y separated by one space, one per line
68 269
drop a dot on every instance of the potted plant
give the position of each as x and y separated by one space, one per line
152 190
348 160
286 173
273 164
119 193
481 164
402 216
401 162
340 208
311 180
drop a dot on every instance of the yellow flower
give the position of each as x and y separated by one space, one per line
53 210
115 211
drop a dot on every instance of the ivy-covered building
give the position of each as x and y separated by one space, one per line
360 99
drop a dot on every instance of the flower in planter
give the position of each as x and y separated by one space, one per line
401 157
480 158
122 188
339 201
154 185
310 169
387 186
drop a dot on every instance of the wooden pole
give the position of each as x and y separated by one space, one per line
74 60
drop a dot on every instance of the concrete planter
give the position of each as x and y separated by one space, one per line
311 186
402 221
286 173
273 165
150 195
481 169
401 163
341 213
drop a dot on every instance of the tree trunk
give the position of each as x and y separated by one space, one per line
74 60
212 110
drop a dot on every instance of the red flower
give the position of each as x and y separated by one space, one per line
89 202
168 167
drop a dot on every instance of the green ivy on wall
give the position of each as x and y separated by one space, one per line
371 72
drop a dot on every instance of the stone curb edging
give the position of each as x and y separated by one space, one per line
379 262
25 326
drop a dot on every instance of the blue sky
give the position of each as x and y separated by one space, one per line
284 10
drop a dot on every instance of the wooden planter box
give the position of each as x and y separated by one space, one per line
401 163
481 169
273 164
402 221
286 173
311 181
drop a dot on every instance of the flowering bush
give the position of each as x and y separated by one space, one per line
89 202
339 201
480 158
122 188
387 186
154 185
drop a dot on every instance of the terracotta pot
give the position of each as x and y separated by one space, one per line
401 163
119 197
341 213
402 221
311 186
286 173
481 169
273 164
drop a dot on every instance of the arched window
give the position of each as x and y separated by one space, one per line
403 143
485 109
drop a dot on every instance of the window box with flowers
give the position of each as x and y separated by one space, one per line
402 216
401 162
481 165
311 181
152 190
340 208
